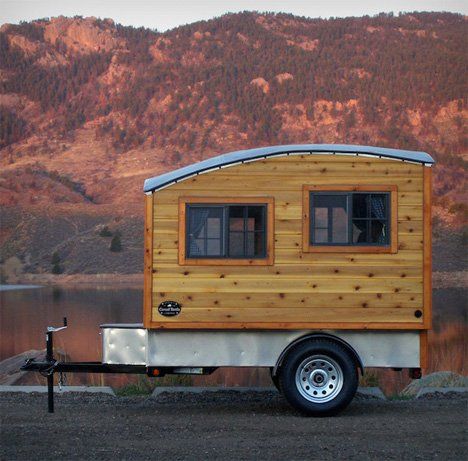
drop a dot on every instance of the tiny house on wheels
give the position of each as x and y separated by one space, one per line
311 260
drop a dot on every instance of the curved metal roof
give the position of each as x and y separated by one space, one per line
240 156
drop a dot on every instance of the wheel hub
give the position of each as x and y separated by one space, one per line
319 379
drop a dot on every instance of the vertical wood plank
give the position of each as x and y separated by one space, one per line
427 247
148 262
423 350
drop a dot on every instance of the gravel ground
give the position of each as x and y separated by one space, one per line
227 425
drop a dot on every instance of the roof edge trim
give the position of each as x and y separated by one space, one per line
251 155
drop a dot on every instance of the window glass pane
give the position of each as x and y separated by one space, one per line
213 227
321 236
339 225
378 206
330 210
213 247
236 244
378 232
329 201
236 218
208 235
360 231
250 243
259 244
196 247
204 222
255 218
360 205
321 217
332 221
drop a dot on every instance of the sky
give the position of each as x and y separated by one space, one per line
164 14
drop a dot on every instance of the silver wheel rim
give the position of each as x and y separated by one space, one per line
319 379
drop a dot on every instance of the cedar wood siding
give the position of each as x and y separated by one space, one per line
301 289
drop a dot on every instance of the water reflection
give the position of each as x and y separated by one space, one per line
25 314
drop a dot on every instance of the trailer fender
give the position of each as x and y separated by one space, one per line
317 336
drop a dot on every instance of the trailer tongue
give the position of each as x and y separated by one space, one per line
50 365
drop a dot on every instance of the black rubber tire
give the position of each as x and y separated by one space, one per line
327 348
275 380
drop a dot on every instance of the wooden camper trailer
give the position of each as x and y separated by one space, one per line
291 237
311 260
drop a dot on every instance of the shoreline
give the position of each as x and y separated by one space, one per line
440 279
82 280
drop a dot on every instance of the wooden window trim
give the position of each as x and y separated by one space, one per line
307 247
427 247
270 231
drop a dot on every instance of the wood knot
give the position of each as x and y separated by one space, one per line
216 302
314 285
357 288
162 294
189 298
370 274
340 297
403 276
364 304
336 271
379 295
221 276
281 295
396 290
186 272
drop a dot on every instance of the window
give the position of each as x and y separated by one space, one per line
358 219
236 232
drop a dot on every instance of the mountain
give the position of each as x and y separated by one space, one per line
89 109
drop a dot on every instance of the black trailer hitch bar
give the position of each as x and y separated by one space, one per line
50 365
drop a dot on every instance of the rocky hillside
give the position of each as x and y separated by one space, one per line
88 109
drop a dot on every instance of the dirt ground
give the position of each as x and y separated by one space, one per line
227 426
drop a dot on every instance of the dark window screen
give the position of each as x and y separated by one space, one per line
354 218
226 231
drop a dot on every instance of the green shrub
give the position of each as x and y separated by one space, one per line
116 244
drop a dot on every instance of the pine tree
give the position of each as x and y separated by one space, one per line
55 261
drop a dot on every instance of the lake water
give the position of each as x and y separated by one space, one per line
26 313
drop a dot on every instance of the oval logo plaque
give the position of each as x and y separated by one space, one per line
169 308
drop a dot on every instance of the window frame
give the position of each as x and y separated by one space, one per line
392 214
266 260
